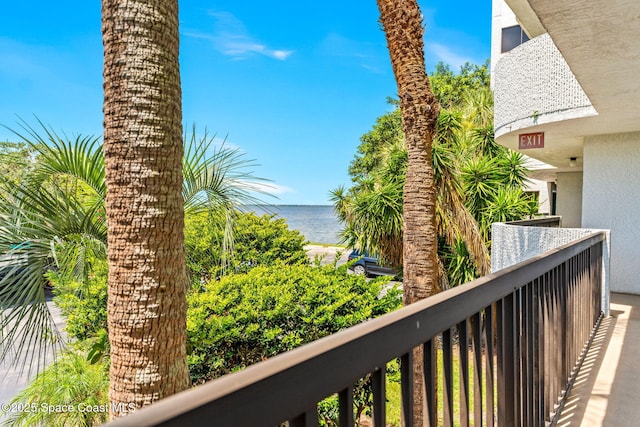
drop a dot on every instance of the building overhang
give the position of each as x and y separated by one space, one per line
599 41
593 46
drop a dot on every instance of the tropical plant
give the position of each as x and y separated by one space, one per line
70 392
452 88
258 240
53 219
84 304
402 24
372 209
469 168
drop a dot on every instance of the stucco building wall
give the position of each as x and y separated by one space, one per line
569 199
611 200
544 92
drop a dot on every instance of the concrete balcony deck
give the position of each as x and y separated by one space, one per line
607 387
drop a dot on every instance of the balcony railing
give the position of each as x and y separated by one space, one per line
548 221
515 337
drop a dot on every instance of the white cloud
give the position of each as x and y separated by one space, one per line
365 54
272 188
447 55
230 37
282 54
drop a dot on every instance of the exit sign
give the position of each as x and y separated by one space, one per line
531 140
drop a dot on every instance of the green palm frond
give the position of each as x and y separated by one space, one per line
53 218
449 125
513 168
478 107
509 204
480 178
379 216
218 176
81 158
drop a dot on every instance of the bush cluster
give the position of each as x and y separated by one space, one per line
245 318
257 240
83 304
272 302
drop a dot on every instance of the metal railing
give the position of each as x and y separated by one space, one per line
514 339
548 221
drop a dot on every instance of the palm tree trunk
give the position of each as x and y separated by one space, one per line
145 218
402 22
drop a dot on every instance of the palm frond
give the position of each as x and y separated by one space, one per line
56 214
218 176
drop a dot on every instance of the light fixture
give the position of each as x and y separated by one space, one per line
572 162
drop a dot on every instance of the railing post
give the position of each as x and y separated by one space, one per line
431 382
378 382
447 381
477 370
506 362
489 317
345 401
306 419
407 382
463 342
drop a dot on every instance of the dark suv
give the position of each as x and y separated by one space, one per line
368 265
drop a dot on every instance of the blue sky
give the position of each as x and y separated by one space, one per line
294 84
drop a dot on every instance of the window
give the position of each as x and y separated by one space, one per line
512 37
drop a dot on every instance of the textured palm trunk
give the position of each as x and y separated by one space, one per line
143 157
402 22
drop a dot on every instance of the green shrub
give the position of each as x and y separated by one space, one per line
257 241
265 240
70 392
84 305
242 319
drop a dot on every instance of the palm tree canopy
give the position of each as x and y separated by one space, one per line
470 171
53 218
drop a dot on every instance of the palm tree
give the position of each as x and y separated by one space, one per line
53 218
402 23
372 208
143 152
469 169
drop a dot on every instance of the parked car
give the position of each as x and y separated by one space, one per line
369 265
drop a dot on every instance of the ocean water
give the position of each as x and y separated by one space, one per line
317 223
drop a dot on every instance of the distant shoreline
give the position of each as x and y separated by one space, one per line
293 205
317 223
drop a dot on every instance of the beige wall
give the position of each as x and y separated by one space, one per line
569 198
542 187
612 201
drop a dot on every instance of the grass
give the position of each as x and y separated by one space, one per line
327 245
394 394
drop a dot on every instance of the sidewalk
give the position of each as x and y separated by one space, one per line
608 385
328 253
12 381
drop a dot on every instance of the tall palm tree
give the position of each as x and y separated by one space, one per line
372 208
52 216
145 215
402 23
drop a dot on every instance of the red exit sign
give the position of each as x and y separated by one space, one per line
531 140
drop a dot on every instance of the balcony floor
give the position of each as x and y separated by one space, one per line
608 385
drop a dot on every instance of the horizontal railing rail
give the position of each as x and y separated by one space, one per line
513 337
548 221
